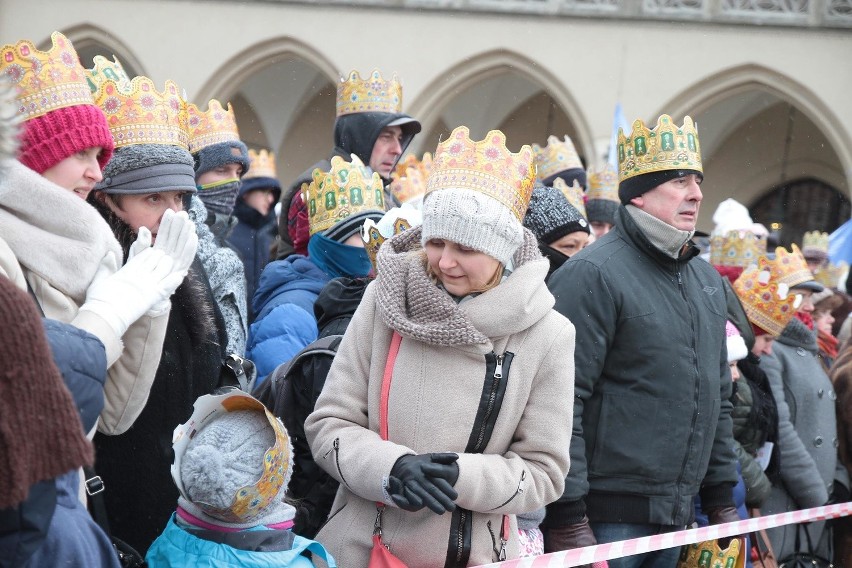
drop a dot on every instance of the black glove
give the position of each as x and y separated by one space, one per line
569 536
425 480
722 515
839 493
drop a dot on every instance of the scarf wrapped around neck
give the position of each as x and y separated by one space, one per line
827 344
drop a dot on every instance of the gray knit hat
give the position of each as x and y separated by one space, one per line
550 217
472 219
216 155
148 168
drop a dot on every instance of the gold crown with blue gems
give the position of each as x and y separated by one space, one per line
373 94
346 189
735 249
665 147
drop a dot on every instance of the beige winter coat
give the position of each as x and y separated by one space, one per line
439 379
56 242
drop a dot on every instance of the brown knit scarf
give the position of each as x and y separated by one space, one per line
41 436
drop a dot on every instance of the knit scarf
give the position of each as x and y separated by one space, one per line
827 344
806 319
668 239
337 259
220 196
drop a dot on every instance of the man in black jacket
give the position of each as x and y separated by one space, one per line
652 416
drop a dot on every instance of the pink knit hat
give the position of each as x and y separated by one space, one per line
736 345
48 139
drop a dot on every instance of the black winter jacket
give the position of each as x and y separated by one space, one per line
652 410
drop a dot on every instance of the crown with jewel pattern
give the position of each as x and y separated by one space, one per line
373 94
346 189
815 245
557 156
486 166
603 184
141 114
408 180
666 147
105 70
830 274
262 165
214 126
45 80
573 193
374 236
765 299
735 249
790 267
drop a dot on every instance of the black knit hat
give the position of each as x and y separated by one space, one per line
550 217
637 185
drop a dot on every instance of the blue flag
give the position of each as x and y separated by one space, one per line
618 121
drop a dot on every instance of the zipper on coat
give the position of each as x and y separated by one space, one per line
517 492
499 553
335 447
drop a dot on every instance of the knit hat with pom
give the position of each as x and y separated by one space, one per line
48 139
736 345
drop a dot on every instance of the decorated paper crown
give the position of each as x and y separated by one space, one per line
411 161
790 267
767 302
573 193
408 180
262 165
45 81
346 189
666 147
733 249
214 126
249 501
557 156
105 70
830 274
486 166
603 184
815 243
141 114
373 94
394 222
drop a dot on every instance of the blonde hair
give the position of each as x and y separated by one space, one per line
492 282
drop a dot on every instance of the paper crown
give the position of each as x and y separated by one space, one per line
830 274
765 299
346 189
214 126
262 165
486 166
734 249
815 242
394 222
790 267
373 94
557 156
105 70
603 184
249 501
573 193
45 80
408 180
666 147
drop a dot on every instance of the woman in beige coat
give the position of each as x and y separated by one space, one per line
481 388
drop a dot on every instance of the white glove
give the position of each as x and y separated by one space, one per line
143 241
176 238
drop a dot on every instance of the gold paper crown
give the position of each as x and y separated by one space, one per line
373 237
765 300
408 180
573 193
48 80
666 147
830 274
105 70
262 165
486 166
815 241
790 267
346 189
143 115
411 161
557 156
603 184
214 126
732 249
374 94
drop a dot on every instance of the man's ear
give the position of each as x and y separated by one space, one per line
638 202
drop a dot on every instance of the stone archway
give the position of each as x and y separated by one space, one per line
90 40
503 90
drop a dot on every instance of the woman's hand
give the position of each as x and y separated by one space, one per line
426 480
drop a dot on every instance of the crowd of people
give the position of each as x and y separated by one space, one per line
473 356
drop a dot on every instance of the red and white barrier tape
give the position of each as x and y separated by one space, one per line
600 552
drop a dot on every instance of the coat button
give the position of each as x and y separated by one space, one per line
820 393
832 395
818 441
801 351
836 442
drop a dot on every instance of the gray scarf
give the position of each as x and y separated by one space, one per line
668 239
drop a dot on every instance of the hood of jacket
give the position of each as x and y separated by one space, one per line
797 334
52 232
412 304
357 133
296 272
338 301
245 213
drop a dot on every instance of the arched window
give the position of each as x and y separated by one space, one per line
802 205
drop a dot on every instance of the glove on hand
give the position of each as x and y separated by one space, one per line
123 297
425 480
722 515
176 237
568 537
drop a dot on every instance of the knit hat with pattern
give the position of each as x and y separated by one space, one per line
736 344
48 139
550 217
472 219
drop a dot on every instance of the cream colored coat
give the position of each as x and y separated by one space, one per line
433 401
56 242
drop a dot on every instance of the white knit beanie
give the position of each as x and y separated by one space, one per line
474 220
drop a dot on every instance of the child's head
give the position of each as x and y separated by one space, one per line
235 465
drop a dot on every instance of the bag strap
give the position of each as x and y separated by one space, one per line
386 384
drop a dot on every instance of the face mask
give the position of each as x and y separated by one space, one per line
220 196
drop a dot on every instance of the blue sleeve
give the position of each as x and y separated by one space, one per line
278 336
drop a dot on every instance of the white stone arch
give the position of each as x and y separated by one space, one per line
89 38
438 94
